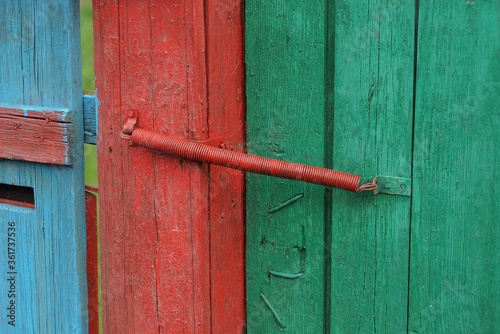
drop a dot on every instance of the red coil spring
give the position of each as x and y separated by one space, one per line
249 163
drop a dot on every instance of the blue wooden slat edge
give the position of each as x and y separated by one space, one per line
90 118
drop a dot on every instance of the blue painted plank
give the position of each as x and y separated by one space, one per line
40 66
90 119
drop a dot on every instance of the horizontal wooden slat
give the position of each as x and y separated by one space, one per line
53 114
36 134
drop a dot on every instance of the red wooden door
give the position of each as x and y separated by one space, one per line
172 231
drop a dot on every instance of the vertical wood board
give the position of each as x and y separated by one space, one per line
285 58
226 120
455 236
90 103
157 255
151 243
40 66
372 126
92 262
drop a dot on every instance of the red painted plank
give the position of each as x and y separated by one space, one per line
92 262
226 102
107 69
35 135
17 203
140 240
179 108
53 115
163 269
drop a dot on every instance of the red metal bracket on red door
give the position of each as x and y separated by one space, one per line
197 151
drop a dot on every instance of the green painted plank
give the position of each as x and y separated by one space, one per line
285 55
372 135
455 234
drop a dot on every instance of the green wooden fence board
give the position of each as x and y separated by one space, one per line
367 50
285 55
455 239
373 100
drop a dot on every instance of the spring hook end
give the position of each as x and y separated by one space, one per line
129 125
372 186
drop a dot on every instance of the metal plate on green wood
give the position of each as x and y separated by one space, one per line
393 186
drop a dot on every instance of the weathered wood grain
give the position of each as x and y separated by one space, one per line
36 134
455 235
90 118
372 135
334 82
92 262
286 110
156 235
40 66
107 71
226 120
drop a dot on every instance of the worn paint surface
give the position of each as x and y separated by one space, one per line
92 261
410 90
286 110
90 104
36 134
171 262
372 112
226 120
455 233
40 66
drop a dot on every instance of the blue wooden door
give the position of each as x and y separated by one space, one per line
42 223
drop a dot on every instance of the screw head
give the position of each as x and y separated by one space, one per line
387 185
402 186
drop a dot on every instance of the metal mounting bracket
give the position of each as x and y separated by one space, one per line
393 186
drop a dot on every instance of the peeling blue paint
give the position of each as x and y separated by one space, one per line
40 57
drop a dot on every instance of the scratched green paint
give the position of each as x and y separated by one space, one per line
455 253
372 135
286 102
357 60
408 91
